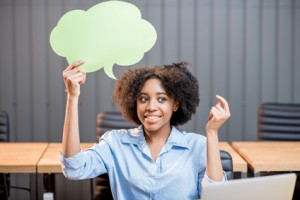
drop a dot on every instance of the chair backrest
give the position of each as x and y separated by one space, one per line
4 126
4 137
279 121
227 165
107 121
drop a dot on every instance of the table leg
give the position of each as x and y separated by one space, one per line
256 174
45 183
40 186
49 183
244 175
33 186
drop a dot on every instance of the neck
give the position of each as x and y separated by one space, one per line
157 137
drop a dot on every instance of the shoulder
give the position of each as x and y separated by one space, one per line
120 135
194 139
189 139
194 136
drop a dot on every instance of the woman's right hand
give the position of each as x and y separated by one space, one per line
73 78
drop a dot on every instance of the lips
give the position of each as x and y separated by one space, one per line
152 118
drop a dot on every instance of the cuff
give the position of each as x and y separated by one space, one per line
206 180
71 162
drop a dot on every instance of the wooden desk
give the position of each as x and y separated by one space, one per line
50 163
270 156
22 158
239 164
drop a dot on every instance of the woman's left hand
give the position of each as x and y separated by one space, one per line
218 115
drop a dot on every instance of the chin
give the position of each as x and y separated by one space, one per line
151 128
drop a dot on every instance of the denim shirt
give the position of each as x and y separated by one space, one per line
177 173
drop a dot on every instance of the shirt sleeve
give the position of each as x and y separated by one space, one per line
85 164
206 180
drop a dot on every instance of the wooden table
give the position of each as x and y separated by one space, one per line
270 156
49 162
239 164
22 158
49 165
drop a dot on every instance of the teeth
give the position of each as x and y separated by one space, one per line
151 117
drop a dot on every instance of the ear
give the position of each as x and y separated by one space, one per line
176 106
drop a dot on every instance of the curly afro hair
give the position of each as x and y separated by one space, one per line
175 78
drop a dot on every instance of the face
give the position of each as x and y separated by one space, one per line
155 107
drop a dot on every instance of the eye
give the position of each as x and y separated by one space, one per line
162 99
143 99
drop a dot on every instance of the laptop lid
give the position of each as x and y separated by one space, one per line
273 187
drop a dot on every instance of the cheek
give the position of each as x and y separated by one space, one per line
168 110
139 110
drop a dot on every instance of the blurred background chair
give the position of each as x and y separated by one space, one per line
279 121
227 165
4 126
107 121
4 137
113 120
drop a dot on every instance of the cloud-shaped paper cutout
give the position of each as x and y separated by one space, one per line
108 33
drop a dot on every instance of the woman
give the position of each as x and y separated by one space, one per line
155 160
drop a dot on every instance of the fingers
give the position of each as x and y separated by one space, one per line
72 71
218 114
73 68
73 77
75 65
220 110
222 102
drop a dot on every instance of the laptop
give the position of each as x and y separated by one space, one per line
273 187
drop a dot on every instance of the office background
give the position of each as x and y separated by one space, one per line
245 50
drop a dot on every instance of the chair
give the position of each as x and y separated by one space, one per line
4 126
227 164
113 120
107 121
279 121
4 137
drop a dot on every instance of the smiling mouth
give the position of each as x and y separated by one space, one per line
152 118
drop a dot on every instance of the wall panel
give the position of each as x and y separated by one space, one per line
296 51
203 60
23 73
252 67
235 62
220 52
268 54
284 51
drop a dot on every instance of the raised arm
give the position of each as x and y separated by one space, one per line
217 116
73 78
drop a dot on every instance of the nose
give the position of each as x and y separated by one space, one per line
151 106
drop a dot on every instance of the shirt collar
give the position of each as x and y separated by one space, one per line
136 136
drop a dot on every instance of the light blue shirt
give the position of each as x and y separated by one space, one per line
177 173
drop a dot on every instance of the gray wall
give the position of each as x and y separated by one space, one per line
245 50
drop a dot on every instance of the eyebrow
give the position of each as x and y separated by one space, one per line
158 93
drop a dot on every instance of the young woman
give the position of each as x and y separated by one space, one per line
155 160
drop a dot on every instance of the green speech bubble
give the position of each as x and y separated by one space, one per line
108 33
